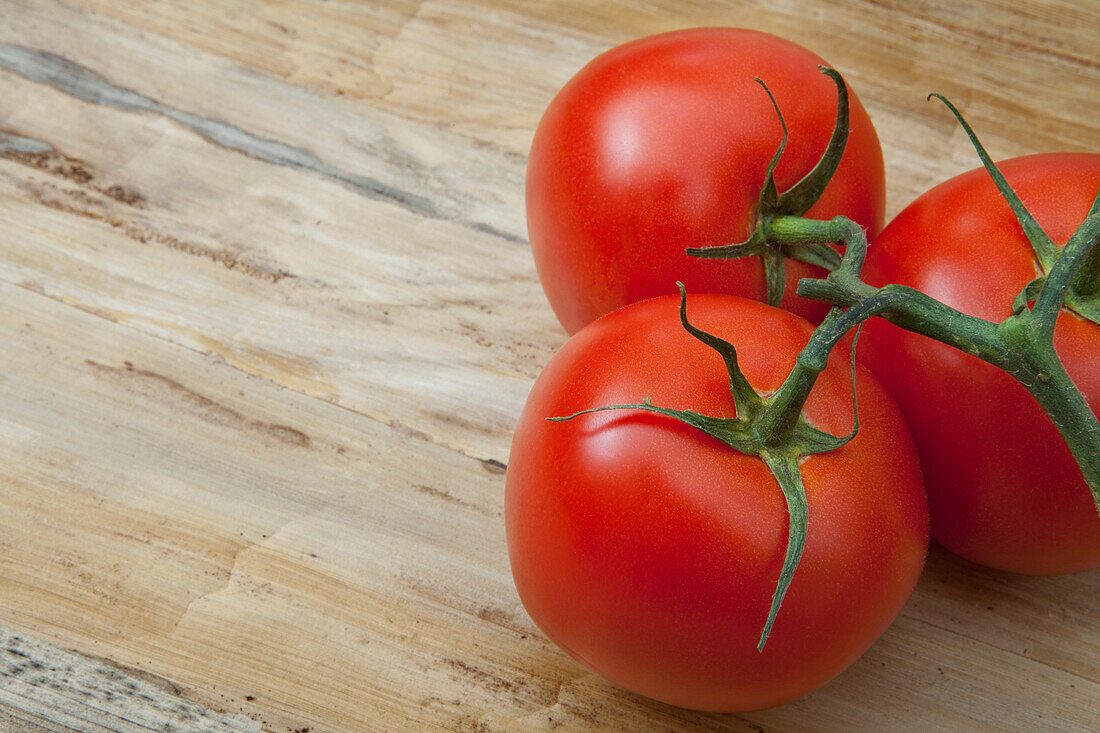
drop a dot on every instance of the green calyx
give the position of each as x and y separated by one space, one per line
770 428
1022 345
795 201
1081 292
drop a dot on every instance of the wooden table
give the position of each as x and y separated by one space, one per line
268 315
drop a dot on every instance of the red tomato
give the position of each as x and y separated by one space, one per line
1003 489
650 551
662 144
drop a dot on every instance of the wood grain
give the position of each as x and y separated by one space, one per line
268 315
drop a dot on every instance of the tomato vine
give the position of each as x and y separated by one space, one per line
1021 345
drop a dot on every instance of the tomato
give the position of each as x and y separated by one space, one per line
662 144
649 551
1003 489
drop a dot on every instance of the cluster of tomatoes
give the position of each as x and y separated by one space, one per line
650 551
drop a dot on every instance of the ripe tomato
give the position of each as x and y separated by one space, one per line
662 144
650 551
1003 489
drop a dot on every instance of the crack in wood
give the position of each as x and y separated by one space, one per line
43 67
78 202
89 692
44 157
158 386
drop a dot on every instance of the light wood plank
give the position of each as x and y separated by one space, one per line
95 695
276 270
267 317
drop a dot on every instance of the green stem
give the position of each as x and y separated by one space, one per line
744 396
794 230
1087 282
798 230
1021 345
1034 364
1045 250
804 194
1080 248
785 469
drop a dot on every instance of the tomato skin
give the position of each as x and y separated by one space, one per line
649 551
662 144
1003 488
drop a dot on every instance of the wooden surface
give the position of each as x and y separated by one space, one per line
267 317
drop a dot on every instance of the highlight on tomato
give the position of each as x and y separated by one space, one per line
664 143
650 550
